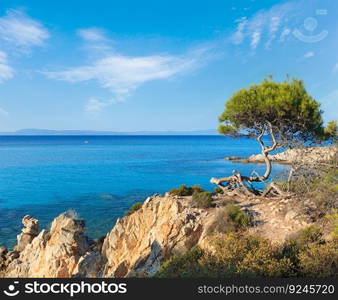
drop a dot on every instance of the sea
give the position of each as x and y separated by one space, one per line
100 177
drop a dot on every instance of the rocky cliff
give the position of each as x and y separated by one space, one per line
138 243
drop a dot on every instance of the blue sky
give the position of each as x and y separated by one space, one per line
156 65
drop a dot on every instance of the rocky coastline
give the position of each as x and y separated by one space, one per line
291 156
140 242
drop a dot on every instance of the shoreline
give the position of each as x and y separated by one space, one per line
320 154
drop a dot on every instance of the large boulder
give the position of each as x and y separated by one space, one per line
139 243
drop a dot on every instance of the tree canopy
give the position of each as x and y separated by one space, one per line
285 106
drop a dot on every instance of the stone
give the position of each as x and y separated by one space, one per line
290 215
140 242
31 225
23 239
28 232
54 254
3 251
304 155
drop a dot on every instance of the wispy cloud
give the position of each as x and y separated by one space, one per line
92 34
3 113
18 33
94 106
19 30
309 54
6 71
266 25
121 74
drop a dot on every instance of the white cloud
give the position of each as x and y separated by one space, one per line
265 25
309 54
3 113
6 71
121 74
94 106
20 31
285 32
92 34
239 35
255 38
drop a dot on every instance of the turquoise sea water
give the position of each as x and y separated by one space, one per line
102 176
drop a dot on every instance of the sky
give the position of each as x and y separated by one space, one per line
156 65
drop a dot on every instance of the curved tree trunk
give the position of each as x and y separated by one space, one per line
237 179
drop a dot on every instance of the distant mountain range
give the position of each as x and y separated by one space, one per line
93 132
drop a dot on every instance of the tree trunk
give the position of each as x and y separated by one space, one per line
238 179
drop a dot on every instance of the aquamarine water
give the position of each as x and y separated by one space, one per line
102 176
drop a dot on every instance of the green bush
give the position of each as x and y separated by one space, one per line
299 242
229 219
334 219
135 207
311 234
319 260
238 217
250 256
202 199
218 190
232 255
184 266
318 184
183 190
238 254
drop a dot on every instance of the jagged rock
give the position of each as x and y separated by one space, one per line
139 243
31 225
3 251
52 254
29 232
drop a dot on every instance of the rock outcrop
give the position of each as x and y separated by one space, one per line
29 232
136 246
49 254
161 228
297 155
139 243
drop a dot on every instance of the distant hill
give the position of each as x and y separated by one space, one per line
93 132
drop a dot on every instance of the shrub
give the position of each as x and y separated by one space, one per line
320 184
196 189
135 207
202 199
311 234
183 190
334 219
236 254
218 190
184 266
232 255
299 242
250 256
319 260
238 217
229 219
